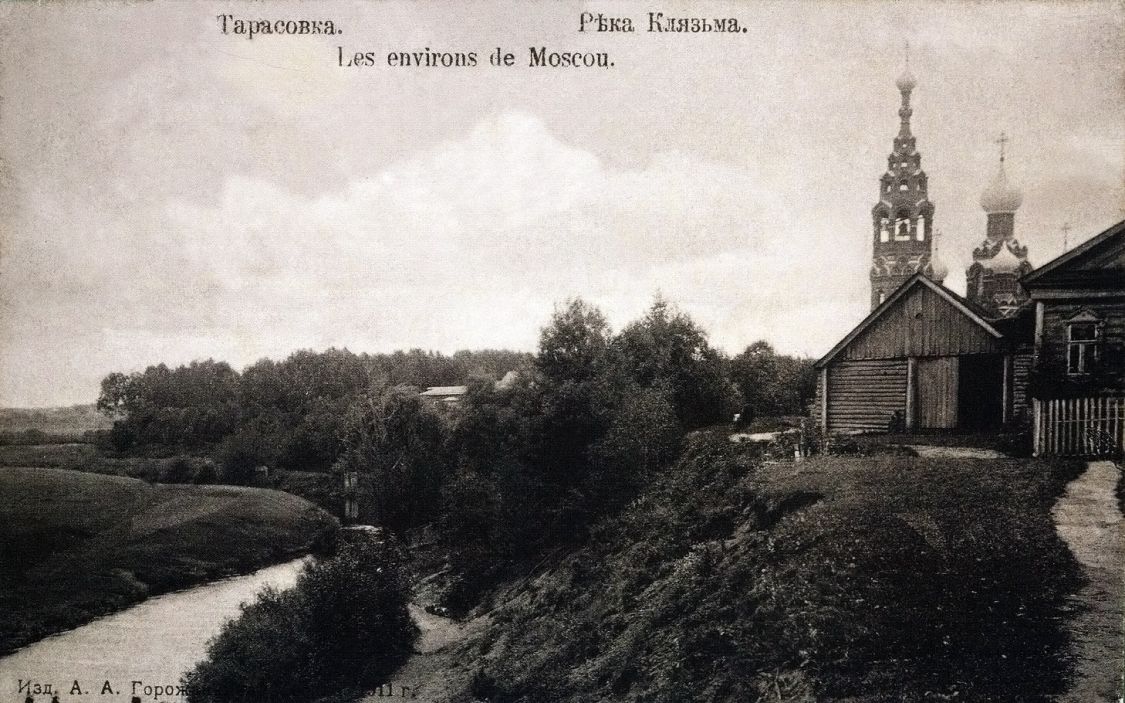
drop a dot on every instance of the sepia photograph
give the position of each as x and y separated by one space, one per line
547 351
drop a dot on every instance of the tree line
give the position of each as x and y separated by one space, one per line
284 414
511 471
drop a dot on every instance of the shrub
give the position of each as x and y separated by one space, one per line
179 470
343 626
207 472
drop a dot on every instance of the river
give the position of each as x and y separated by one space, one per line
148 645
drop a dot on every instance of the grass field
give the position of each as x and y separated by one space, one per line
59 456
77 545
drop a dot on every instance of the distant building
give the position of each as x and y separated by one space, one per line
450 395
1078 379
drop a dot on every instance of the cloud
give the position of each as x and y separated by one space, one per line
468 244
507 220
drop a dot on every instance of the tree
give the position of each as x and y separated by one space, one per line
773 384
344 626
572 348
118 393
665 350
397 443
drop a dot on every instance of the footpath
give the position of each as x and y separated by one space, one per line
1089 520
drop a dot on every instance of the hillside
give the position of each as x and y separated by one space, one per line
839 578
77 545
66 421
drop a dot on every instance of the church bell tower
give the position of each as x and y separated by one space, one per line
902 220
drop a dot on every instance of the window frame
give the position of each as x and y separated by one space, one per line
1083 353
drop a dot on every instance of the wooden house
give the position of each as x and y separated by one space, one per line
1078 377
925 358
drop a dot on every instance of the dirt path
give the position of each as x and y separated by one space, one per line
1088 519
931 452
436 673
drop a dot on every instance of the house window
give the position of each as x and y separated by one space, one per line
1083 339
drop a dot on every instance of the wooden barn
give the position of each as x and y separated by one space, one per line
928 358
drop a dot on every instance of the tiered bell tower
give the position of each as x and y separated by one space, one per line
903 218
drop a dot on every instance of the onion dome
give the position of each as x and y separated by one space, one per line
1000 196
906 80
1005 260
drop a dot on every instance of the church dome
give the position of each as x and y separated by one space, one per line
1000 196
906 80
1004 261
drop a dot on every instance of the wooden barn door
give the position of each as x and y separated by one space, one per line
937 393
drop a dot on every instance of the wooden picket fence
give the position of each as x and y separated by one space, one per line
1079 427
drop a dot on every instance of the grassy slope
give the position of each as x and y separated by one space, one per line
77 545
71 420
53 455
883 578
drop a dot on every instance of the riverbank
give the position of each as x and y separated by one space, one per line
77 545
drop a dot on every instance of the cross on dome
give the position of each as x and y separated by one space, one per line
1002 140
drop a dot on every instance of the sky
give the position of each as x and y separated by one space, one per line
170 193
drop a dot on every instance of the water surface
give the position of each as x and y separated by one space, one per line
153 643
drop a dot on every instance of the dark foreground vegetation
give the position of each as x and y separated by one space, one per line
343 627
874 578
74 546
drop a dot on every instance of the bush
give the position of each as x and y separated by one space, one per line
206 473
179 470
343 626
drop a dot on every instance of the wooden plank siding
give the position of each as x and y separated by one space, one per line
937 393
862 395
922 324
1109 373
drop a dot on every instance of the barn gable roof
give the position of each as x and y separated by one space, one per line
968 309
1100 259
